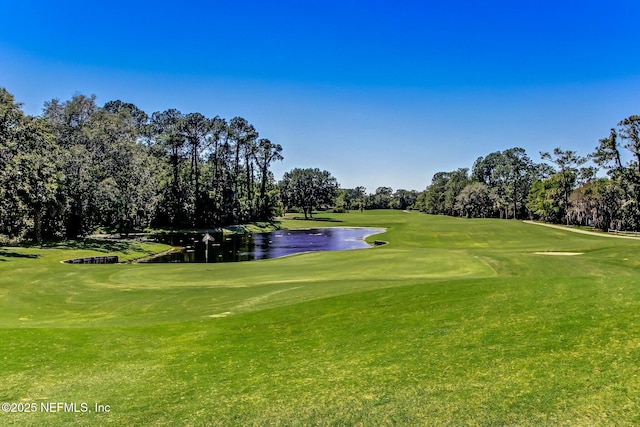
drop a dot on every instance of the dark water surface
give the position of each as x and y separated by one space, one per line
256 246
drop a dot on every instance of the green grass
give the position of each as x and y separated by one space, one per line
454 322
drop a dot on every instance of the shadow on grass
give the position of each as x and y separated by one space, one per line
98 245
11 254
247 228
301 218
275 224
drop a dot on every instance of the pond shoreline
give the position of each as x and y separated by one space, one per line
255 246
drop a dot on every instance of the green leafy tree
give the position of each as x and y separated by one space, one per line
456 182
195 127
508 174
475 200
493 172
403 199
629 132
30 172
382 198
125 173
597 203
545 199
485 169
624 179
343 201
165 133
440 196
518 172
243 137
359 195
607 154
265 154
308 189
433 199
38 166
83 155
80 167
11 120
567 163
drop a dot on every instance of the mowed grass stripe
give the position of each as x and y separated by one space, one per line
508 338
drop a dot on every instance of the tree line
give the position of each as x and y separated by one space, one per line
80 167
560 188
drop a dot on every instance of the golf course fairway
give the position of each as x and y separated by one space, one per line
453 322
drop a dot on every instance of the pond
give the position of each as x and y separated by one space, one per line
256 246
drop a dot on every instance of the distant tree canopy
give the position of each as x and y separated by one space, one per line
80 167
508 184
308 189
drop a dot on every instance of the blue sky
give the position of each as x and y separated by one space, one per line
378 93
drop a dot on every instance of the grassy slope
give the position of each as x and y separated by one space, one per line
455 321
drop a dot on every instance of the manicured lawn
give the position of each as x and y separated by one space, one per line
453 322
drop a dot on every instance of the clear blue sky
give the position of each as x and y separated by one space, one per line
378 93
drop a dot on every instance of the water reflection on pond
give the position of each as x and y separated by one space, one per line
256 246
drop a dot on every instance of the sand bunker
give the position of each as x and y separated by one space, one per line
225 314
559 253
